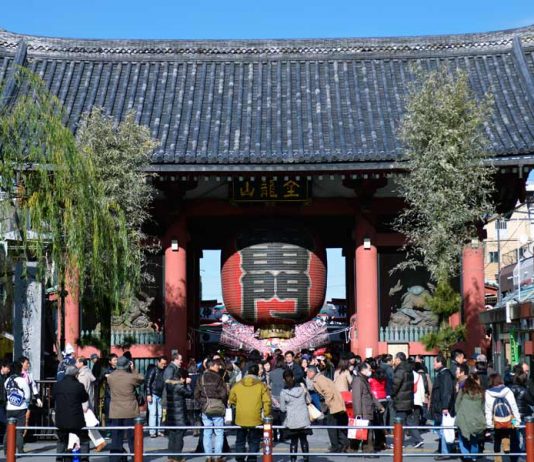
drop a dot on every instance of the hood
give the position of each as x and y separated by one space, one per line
295 392
250 380
498 391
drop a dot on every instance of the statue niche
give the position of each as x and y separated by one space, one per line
413 309
137 315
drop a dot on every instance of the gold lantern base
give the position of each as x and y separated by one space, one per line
276 331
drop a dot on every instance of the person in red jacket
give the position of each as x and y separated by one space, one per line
378 384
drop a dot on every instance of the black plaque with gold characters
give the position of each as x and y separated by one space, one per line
271 189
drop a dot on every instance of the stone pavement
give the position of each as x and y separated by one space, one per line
37 451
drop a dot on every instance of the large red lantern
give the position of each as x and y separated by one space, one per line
274 277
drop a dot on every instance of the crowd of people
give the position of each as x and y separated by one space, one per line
243 390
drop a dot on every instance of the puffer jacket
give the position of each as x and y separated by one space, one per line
177 393
250 397
378 387
523 400
363 401
443 393
155 383
500 391
294 402
402 387
210 385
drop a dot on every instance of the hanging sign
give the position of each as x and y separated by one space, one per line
271 189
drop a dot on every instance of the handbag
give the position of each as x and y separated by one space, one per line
359 430
314 413
213 407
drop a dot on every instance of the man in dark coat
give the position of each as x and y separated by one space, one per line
386 363
69 394
458 357
291 365
402 391
442 399
154 387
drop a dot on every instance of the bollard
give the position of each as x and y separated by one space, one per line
397 440
11 439
268 439
529 438
138 439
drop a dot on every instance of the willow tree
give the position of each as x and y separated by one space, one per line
57 199
447 186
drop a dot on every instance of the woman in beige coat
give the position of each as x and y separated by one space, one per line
123 408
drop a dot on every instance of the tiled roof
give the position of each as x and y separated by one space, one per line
284 102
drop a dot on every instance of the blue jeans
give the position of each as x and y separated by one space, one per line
468 445
208 421
155 410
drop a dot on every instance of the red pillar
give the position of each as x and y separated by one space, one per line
473 295
366 274
72 311
176 289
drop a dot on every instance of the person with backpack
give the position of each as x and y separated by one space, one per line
502 415
470 418
18 396
442 402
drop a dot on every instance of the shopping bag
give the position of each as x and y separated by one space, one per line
228 416
361 432
448 433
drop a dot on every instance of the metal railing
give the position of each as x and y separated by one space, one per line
266 453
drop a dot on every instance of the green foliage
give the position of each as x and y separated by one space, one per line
121 154
447 186
448 181
444 302
58 200
444 338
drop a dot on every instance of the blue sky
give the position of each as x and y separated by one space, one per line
216 19
260 19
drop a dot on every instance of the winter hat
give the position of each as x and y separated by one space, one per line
123 362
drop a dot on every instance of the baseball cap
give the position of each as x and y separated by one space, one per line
482 359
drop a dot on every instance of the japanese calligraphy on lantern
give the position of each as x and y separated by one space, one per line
271 189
